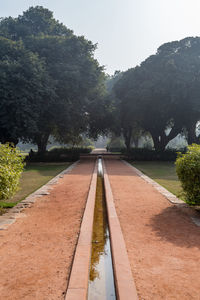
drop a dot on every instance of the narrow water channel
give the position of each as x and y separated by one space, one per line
101 281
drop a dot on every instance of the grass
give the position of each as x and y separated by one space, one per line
164 173
34 176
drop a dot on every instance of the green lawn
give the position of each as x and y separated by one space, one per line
34 176
162 172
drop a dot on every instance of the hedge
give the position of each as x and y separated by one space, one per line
11 167
188 171
143 154
58 155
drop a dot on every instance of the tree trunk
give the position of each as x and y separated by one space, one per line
136 142
191 134
42 141
127 133
160 142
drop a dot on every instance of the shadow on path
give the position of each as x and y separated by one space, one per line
175 227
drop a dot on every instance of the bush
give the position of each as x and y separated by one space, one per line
188 171
116 149
59 155
143 154
11 167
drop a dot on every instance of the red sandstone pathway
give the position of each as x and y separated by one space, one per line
36 252
163 244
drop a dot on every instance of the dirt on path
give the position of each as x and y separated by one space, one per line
162 242
36 252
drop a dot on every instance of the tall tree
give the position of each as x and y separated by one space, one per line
163 93
23 85
69 61
35 21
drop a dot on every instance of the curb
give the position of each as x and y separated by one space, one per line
78 281
171 197
16 212
184 207
124 282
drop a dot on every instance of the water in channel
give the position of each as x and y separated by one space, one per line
101 281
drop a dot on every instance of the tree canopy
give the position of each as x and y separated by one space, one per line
51 84
74 80
161 95
23 85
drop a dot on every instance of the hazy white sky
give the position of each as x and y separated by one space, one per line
127 31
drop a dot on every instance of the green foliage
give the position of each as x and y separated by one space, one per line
116 149
34 21
11 167
7 204
59 154
23 85
49 80
188 171
162 93
142 154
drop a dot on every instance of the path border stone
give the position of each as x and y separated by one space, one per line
124 282
16 212
184 207
171 197
78 282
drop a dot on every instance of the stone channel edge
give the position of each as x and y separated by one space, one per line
78 281
124 282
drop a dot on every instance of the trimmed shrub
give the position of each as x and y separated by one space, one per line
11 167
188 171
116 149
143 154
59 155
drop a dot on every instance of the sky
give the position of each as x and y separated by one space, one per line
127 31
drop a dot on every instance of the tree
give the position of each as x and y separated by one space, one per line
76 77
111 115
159 94
125 93
183 55
35 21
23 85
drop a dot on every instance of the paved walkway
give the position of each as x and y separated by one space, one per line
36 251
99 151
163 244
